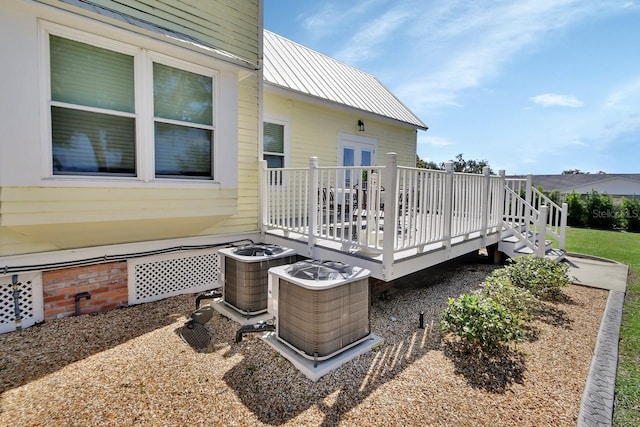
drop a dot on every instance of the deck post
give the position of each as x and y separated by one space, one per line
542 231
503 194
528 196
390 229
448 204
486 192
314 191
563 227
264 196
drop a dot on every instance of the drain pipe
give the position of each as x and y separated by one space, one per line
78 297
16 301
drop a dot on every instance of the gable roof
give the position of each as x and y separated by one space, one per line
568 182
292 66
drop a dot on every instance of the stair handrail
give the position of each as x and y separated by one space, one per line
556 225
531 216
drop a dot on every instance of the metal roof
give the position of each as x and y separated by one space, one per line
292 66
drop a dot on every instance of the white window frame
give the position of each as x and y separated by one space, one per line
286 149
144 111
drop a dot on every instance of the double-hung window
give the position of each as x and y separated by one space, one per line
128 112
93 122
274 144
183 122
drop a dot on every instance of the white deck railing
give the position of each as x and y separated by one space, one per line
354 206
533 213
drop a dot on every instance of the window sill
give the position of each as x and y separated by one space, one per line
128 182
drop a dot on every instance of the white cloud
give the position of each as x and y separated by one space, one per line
556 100
363 45
622 97
435 140
459 45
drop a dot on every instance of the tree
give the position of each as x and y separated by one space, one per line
574 172
459 165
469 166
427 165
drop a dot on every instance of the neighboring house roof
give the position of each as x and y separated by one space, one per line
292 66
565 183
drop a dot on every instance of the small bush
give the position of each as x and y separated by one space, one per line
576 210
499 288
481 322
542 277
601 213
630 212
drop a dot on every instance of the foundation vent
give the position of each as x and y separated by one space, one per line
30 301
162 276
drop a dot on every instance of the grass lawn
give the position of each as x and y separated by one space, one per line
625 248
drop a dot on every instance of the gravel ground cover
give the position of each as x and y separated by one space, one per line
130 367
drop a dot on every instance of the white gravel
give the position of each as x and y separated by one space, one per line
130 367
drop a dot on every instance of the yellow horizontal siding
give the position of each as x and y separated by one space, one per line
248 125
22 206
232 26
314 131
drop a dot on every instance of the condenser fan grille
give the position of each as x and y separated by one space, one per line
320 270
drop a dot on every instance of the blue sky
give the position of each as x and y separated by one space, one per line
531 86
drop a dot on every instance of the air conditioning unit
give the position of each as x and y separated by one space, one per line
320 308
244 272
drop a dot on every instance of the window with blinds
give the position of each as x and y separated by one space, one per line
92 109
273 149
94 122
183 115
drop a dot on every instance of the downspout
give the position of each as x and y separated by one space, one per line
260 69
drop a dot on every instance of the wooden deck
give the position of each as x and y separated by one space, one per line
404 263
400 220
397 220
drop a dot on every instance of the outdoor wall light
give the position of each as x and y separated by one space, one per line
360 125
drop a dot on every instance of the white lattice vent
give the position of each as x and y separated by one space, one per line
162 276
30 301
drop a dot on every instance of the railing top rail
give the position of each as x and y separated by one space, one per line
298 169
348 167
546 199
517 179
419 169
523 201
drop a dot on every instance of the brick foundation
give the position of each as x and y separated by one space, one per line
106 283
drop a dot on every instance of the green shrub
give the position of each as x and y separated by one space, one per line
601 213
499 288
630 212
542 277
576 210
481 322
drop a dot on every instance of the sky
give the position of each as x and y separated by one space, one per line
530 86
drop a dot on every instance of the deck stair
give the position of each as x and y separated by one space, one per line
532 223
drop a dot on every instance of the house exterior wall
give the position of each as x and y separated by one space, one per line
614 187
106 285
314 130
229 26
43 212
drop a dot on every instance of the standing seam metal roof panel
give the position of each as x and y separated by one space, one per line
291 65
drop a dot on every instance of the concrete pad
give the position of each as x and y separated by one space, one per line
315 370
241 318
597 272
